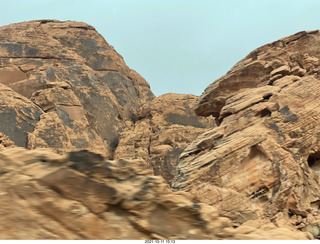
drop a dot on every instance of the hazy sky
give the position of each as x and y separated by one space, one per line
178 46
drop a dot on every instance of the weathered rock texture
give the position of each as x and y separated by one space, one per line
166 126
63 86
81 195
263 158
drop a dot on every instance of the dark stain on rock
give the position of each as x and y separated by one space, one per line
285 110
277 129
24 119
14 50
291 118
50 74
274 127
65 117
30 51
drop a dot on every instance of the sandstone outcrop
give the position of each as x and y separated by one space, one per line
262 160
155 168
165 127
81 195
64 87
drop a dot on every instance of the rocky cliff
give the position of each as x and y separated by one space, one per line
262 160
88 152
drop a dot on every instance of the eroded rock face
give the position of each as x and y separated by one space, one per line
81 195
165 127
79 87
263 157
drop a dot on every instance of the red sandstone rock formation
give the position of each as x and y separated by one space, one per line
253 176
68 88
262 160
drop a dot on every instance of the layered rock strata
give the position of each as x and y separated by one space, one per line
262 160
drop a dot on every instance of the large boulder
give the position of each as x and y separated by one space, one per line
262 159
78 91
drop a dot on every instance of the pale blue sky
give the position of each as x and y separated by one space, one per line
178 46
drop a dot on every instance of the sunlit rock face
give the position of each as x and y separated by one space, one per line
263 157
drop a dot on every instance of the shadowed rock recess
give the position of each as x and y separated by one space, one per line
88 152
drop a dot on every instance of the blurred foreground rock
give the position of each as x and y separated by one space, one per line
81 195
